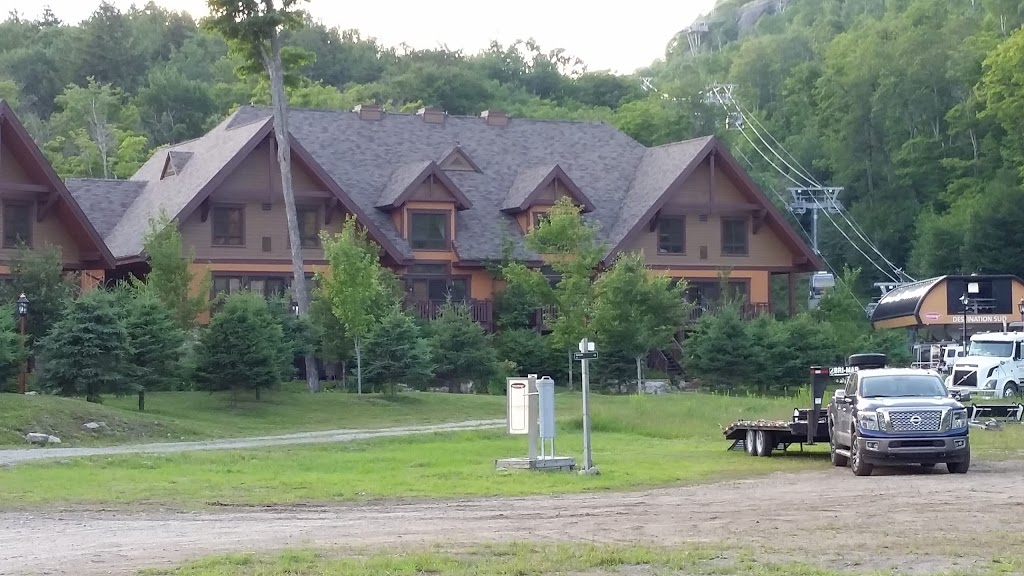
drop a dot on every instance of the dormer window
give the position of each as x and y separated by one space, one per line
543 186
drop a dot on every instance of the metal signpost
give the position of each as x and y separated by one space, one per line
587 353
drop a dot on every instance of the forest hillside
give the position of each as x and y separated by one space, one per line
914 108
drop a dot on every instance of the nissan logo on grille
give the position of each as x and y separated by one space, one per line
915 420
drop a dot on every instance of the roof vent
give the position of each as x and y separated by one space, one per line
494 117
369 111
432 115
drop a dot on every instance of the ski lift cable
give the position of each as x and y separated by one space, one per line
827 214
828 265
806 175
841 231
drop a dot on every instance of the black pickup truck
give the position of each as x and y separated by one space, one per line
890 416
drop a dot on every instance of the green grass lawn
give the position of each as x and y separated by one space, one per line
177 416
531 560
637 442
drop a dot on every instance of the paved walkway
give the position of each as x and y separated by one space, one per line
17 455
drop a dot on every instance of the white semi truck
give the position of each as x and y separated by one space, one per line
993 366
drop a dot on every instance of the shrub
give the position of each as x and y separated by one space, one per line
530 352
243 347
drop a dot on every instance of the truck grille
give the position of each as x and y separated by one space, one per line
916 421
965 378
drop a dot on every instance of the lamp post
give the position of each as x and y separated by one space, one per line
1020 308
295 308
965 300
22 313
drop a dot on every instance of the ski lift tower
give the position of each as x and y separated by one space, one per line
722 95
695 35
816 199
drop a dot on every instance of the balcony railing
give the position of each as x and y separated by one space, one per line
481 311
748 311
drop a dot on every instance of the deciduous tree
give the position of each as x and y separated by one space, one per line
253 29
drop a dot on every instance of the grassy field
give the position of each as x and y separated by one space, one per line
528 560
637 442
177 416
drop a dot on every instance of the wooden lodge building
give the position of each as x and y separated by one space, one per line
440 194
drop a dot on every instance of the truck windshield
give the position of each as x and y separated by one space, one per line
901 385
991 349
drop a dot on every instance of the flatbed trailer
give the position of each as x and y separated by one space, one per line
775 434
807 426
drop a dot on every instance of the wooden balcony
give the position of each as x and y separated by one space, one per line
481 311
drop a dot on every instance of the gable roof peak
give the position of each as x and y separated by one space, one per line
407 177
456 159
531 181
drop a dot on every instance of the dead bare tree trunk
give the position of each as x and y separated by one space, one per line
275 70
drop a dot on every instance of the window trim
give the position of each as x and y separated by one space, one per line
319 224
31 227
536 216
682 234
746 236
213 225
411 216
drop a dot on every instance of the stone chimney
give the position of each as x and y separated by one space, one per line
494 117
432 115
369 111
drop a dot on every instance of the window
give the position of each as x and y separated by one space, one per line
309 226
428 230
228 226
268 286
734 236
538 217
17 224
671 235
433 283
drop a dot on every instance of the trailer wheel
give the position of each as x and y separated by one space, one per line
748 443
764 444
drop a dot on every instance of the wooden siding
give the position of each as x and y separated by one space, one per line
765 248
258 178
432 190
52 230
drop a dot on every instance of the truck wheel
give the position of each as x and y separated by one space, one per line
1010 391
835 458
857 464
748 443
959 467
763 442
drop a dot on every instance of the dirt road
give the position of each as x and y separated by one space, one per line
14 456
891 518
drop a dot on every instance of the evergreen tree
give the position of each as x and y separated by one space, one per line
460 349
38 273
181 290
718 352
243 348
12 350
156 343
396 353
87 351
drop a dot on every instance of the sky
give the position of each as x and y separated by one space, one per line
619 40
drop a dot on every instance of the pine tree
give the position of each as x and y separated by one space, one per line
87 350
243 348
12 350
156 342
460 349
395 353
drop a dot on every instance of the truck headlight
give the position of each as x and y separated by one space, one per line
990 384
867 420
959 419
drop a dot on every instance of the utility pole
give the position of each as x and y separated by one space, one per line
587 353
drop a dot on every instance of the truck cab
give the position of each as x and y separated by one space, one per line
888 416
993 366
